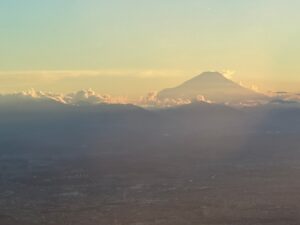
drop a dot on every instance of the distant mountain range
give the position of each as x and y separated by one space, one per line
214 87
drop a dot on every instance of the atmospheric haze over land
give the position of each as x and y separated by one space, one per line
207 151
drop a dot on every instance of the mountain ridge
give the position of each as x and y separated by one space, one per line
213 86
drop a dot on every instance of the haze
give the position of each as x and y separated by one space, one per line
127 112
149 45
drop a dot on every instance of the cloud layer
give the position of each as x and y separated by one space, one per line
152 100
90 97
77 98
282 97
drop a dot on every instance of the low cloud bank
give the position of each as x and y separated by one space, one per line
283 97
90 97
152 100
77 98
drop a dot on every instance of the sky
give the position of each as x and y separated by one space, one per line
130 47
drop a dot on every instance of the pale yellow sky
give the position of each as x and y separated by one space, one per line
130 83
135 46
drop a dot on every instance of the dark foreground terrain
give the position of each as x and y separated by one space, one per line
187 185
192 165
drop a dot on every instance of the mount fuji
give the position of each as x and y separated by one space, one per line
215 87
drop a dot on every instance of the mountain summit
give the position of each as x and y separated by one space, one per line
213 86
208 77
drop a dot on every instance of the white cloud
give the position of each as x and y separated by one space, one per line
152 100
228 73
91 97
76 98
31 95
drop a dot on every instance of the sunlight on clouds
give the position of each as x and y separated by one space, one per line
152 100
117 82
90 97
228 73
76 98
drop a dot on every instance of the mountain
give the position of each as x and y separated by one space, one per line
214 87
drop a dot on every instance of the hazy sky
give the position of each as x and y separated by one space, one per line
133 46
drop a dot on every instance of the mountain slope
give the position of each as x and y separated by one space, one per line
213 86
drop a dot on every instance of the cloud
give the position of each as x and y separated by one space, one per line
109 81
31 95
228 73
77 98
254 88
91 97
284 97
281 92
282 101
152 100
